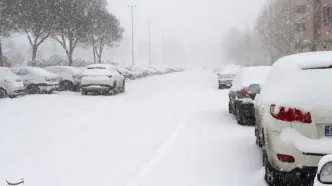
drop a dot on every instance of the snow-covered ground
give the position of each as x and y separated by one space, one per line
170 130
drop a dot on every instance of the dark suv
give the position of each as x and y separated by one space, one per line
243 93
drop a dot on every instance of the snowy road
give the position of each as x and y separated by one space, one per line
171 130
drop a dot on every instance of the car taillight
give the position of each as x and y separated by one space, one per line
244 93
286 158
109 76
290 114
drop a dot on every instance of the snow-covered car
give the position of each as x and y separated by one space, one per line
295 117
226 76
127 74
10 84
242 93
69 76
103 78
324 172
37 80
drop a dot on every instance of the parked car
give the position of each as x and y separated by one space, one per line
226 77
295 117
103 78
37 80
69 77
10 84
324 172
243 91
127 74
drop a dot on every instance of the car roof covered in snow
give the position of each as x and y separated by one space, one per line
230 69
302 81
305 61
101 66
73 69
250 75
35 70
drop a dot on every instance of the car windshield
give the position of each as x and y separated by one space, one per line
4 72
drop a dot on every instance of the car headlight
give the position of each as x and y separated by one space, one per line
325 174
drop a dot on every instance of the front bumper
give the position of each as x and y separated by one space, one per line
227 83
48 87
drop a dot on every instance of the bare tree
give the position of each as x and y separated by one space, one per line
275 28
75 24
6 23
37 19
106 32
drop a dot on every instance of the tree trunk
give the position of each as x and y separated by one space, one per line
1 57
34 52
93 48
70 58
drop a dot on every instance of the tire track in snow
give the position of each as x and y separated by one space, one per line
146 169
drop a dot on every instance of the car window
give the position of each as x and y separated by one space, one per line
22 72
254 89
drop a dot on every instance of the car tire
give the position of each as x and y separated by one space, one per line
67 86
33 89
229 108
84 92
221 86
123 88
272 176
3 93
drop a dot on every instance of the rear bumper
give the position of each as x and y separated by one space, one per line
298 175
227 83
94 87
246 109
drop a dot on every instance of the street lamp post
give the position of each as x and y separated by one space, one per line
132 33
149 24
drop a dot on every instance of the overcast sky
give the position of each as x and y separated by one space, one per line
188 20
196 25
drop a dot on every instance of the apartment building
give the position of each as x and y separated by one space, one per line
312 25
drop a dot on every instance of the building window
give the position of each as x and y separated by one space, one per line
301 9
300 27
327 15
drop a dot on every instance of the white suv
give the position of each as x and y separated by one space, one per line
294 117
69 76
10 84
102 78
37 80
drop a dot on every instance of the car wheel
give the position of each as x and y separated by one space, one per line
33 89
123 88
229 108
272 176
67 86
3 93
221 86
84 92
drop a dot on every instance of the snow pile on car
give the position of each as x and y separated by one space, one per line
231 69
250 75
301 81
304 144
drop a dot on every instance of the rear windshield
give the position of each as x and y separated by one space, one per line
90 68
228 76
254 89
